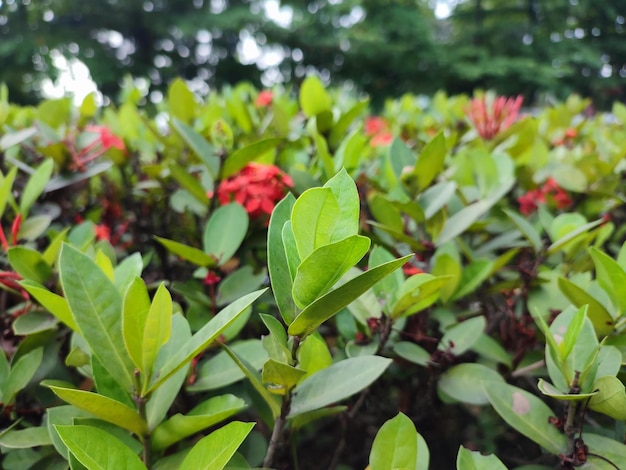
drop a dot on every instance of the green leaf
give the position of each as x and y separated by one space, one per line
551 391
194 255
96 306
158 328
126 271
611 277
10 139
97 449
181 102
206 414
189 182
220 370
135 311
52 302
462 220
277 263
204 337
279 377
224 232
567 233
33 228
313 355
29 264
6 185
255 379
602 320
608 448
103 407
313 97
395 445
462 336
35 185
474 460
198 145
527 414
448 267
241 157
430 161
573 332
610 399
314 217
334 383
321 270
412 352
21 374
325 307
526 228
417 293
33 322
215 450
340 129
463 382
347 196
435 198
25 438
239 283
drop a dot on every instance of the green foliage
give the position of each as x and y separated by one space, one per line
506 320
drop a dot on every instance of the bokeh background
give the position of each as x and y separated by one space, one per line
543 49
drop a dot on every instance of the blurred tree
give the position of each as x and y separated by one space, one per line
384 47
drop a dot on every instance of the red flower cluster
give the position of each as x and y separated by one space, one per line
410 270
550 191
490 117
264 99
103 142
376 128
257 188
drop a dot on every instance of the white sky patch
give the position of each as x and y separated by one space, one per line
74 80
282 16
442 10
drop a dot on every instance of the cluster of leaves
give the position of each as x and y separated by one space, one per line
242 257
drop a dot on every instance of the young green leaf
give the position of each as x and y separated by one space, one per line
97 449
279 377
52 302
189 253
395 445
103 407
463 382
430 161
21 374
345 191
313 97
328 305
204 337
314 217
474 460
241 157
321 270
29 264
35 185
158 328
461 337
611 277
206 414
134 314
215 450
198 144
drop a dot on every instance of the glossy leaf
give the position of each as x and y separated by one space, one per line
35 185
277 263
463 382
474 460
314 217
347 196
97 449
417 293
596 312
52 302
214 451
241 157
527 414
224 232
321 270
204 337
611 277
325 307
313 97
103 407
395 445
412 352
610 399
96 306
158 328
135 312
206 414
194 255
462 337
313 355
334 383
29 264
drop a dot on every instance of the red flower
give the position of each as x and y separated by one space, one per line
382 139
211 279
374 125
492 116
264 99
257 188
550 191
103 232
410 270
106 138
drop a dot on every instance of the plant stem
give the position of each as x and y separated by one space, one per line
140 402
570 419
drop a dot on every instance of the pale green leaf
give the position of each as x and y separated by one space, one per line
224 232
